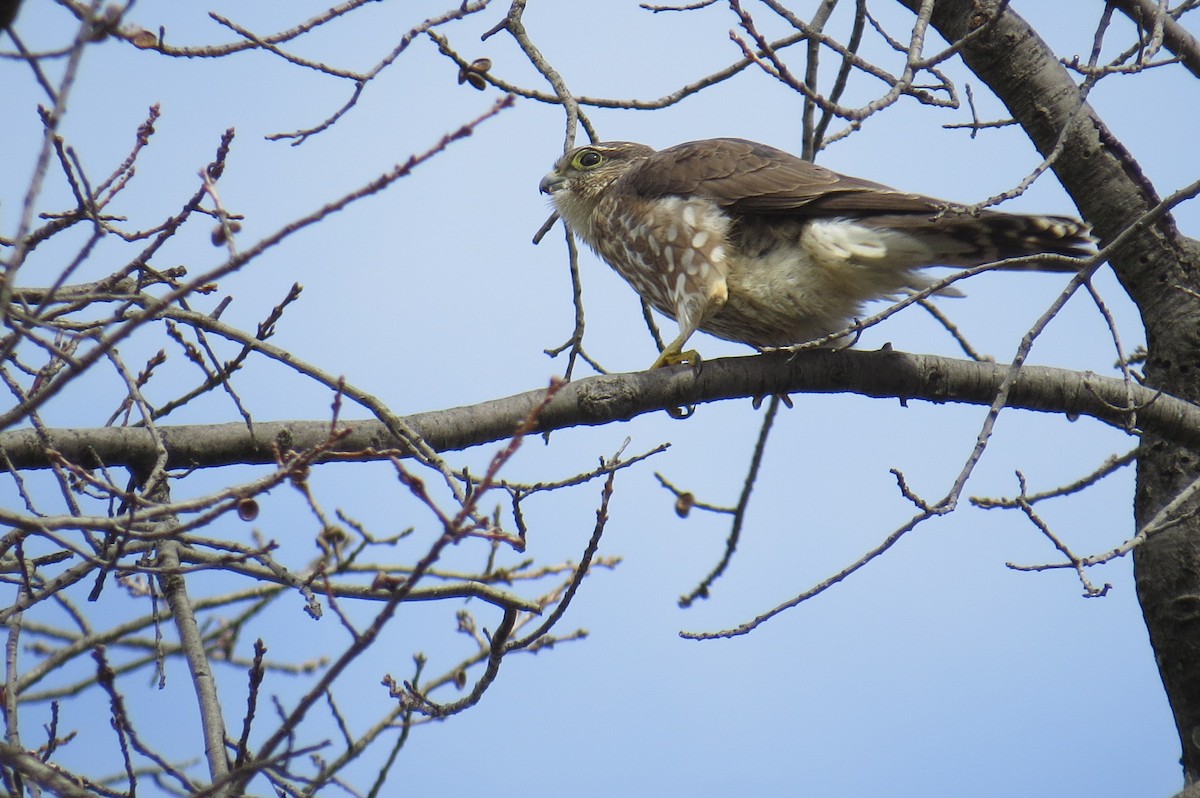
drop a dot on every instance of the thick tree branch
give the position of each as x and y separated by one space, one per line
619 397
1160 269
1178 40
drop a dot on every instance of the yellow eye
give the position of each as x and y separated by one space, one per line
587 159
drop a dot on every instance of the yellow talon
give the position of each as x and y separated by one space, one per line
675 358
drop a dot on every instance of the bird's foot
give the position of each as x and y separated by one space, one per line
675 358
671 356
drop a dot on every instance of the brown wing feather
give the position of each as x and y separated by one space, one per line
747 177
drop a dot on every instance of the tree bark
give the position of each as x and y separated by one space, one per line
618 397
1160 270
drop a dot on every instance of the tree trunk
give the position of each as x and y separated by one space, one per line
1160 270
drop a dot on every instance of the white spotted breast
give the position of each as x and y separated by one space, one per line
668 249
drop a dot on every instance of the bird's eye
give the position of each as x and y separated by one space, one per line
587 159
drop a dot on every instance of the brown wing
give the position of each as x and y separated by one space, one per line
749 178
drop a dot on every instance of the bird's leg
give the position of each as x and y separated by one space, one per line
674 355
690 311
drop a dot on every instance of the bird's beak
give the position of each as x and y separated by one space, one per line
551 182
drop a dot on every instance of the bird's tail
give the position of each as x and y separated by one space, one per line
963 239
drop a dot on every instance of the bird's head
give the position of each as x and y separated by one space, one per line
580 179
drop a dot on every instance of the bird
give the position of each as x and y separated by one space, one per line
752 244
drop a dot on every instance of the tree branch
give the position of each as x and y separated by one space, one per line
619 397
1178 40
1158 267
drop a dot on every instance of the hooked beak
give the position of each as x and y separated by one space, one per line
551 182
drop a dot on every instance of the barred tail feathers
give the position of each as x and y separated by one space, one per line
965 240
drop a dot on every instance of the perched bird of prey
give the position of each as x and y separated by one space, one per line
752 244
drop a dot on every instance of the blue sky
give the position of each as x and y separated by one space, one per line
934 671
